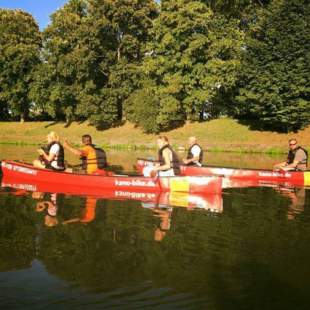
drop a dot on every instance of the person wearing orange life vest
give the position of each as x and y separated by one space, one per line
297 158
93 158
195 154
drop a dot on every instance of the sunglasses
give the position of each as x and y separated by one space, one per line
292 144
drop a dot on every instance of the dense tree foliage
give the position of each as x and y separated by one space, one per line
20 42
275 82
90 51
159 64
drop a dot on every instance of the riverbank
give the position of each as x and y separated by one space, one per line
215 135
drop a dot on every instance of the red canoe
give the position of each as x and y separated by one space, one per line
210 202
95 184
236 176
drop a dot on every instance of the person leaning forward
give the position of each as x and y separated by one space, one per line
297 158
195 154
93 158
52 156
169 164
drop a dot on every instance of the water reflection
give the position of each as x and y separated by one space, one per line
49 207
238 251
88 213
297 196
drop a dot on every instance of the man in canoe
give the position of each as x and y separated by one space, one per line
93 158
51 157
297 158
169 164
195 154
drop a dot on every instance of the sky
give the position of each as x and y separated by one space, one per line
39 9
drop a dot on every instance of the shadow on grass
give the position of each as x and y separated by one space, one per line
51 124
104 126
256 124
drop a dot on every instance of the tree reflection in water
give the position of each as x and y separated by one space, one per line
248 254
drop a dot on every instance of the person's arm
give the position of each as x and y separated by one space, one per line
196 153
279 165
48 157
73 150
292 165
167 155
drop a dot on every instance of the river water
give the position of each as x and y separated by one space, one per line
248 249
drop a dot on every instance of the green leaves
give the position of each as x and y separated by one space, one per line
159 65
20 43
276 71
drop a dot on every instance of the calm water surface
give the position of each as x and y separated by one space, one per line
248 249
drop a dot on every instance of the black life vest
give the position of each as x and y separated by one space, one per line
292 153
100 160
175 163
60 158
190 154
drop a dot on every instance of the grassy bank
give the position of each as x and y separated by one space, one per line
215 135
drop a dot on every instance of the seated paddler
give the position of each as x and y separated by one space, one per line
52 156
195 154
169 163
93 158
297 158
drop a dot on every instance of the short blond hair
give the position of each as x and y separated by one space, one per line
53 136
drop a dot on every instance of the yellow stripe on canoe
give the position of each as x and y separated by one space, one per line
179 185
307 178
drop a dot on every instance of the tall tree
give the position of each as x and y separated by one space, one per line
193 54
20 42
91 49
130 21
275 85
64 71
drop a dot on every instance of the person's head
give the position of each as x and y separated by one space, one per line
192 140
86 139
161 141
292 143
52 137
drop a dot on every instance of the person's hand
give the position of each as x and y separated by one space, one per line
41 152
153 173
185 161
65 143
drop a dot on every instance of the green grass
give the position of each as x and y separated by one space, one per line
220 135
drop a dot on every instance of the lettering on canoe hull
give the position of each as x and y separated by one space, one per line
135 182
20 169
134 195
27 187
275 174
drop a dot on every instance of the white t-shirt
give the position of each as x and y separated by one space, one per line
55 150
196 150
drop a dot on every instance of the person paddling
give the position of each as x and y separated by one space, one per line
93 158
195 154
52 156
297 158
169 164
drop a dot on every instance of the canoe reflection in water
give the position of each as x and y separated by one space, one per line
160 203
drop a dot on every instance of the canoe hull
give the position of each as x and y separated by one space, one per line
210 202
236 176
94 184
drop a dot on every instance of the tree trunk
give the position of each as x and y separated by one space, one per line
22 117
